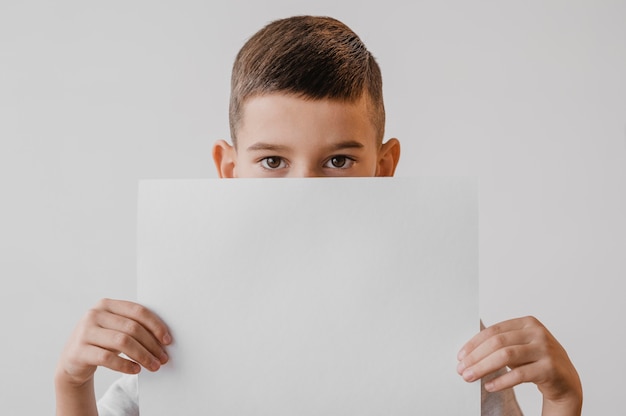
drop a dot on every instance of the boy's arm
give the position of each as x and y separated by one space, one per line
533 355
112 327
75 400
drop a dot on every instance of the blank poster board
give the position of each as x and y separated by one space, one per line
312 296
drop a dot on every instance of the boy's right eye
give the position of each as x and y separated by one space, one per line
273 162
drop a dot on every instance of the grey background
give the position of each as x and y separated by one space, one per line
528 96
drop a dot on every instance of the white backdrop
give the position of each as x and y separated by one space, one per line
528 96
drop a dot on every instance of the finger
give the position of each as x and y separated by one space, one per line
117 342
141 314
134 329
492 344
512 378
109 359
493 330
513 356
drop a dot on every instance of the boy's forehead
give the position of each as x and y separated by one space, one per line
283 116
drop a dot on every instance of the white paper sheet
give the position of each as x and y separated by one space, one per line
292 297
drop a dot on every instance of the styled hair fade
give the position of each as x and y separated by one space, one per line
314 57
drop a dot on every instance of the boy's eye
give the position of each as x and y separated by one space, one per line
339 162
273 162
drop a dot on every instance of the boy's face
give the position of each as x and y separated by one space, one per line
285 136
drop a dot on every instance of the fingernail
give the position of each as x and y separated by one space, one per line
167 339
468 375
460 367
163 357
461 354
155 365
489 386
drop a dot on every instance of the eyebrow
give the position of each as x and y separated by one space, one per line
349 144
266 146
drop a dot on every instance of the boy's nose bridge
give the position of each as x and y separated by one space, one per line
305 171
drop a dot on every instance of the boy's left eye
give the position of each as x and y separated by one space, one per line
339 162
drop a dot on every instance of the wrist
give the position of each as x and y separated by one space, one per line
63 379
72 398
567 406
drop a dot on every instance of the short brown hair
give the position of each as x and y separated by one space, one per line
314 57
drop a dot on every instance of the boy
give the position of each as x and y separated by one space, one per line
306 101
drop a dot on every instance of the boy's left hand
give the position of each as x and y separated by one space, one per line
533 355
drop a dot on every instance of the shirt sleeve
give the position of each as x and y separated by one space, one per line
121 398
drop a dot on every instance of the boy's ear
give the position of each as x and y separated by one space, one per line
388 158
224 159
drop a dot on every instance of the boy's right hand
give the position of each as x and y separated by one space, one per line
108 329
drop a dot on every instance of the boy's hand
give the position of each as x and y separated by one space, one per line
533 355
110 328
